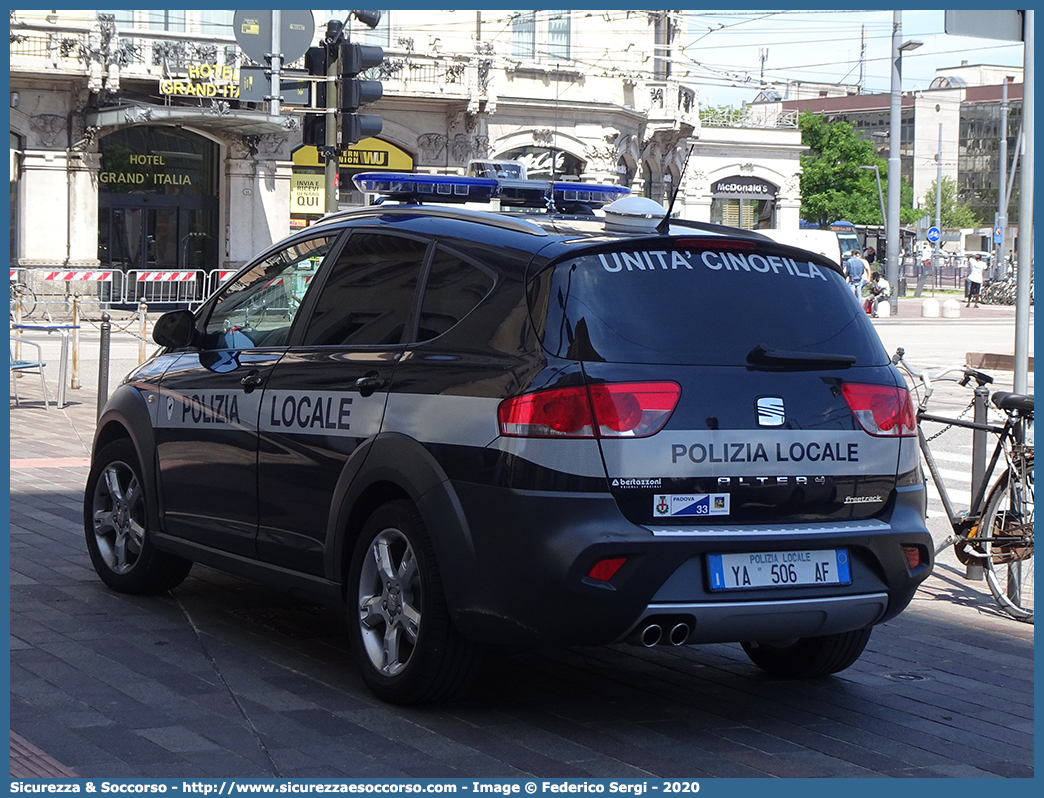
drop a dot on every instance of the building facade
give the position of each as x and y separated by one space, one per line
955 122
133 149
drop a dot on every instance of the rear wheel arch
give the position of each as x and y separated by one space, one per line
354 516
395 467
403 638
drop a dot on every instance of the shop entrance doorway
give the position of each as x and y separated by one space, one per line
157 212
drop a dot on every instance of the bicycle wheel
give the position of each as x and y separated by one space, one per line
28 299
1007 525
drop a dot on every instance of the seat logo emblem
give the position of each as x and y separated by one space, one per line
770 412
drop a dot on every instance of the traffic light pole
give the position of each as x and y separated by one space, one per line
276 58
332 154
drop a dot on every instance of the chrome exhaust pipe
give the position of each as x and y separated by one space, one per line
651 635
679 634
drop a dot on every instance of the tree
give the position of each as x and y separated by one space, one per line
908 214
951 212
833 184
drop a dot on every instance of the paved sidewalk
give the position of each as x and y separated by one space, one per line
224 678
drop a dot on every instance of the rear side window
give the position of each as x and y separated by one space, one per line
454 287
368 298
697 306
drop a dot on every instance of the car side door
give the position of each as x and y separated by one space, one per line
206 430
327 395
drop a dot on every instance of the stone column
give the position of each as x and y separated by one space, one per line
258 207
83 209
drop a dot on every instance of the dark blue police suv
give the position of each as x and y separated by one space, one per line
473 429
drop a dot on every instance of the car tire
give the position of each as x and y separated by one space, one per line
402 637
116 516
809 657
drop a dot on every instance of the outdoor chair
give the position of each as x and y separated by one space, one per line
22 366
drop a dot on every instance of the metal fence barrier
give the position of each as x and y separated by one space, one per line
53 290
165 287
218 278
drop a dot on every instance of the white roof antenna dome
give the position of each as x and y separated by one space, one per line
634 213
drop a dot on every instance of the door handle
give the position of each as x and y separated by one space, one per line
251 381
370 383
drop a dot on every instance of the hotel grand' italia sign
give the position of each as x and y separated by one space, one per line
144 171
203 80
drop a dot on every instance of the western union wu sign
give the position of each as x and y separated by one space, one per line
368 154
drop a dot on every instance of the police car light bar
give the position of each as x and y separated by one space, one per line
433 188
408 187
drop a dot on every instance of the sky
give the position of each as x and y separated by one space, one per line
824 46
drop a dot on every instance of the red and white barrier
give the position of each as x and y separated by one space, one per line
78 276
166 277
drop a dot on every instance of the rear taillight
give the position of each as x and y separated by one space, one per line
622 410
881 410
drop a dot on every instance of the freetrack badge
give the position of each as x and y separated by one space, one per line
698 504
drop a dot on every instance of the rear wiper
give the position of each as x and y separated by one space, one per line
761 355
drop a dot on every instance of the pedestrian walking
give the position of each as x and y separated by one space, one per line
974 284
856 270
870 255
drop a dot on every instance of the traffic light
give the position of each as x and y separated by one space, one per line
313 126
313 130
356 92
315 63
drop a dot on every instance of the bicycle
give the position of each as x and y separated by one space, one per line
997 531
20 290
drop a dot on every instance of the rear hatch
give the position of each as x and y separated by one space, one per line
732 381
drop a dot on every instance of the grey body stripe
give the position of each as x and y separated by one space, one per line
684 453
472 421
458 420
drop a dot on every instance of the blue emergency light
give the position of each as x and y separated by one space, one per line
409 187
433 188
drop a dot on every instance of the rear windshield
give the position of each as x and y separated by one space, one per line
698 306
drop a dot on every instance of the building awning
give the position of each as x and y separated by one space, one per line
240 121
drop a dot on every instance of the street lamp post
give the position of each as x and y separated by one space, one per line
880 196
894 142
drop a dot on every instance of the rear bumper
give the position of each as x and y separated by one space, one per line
732 621
520 577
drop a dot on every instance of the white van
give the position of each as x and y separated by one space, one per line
823 242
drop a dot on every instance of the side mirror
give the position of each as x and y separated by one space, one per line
175 330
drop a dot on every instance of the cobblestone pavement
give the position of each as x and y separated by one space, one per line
226 678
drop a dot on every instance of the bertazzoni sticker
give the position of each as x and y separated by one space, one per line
690 504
